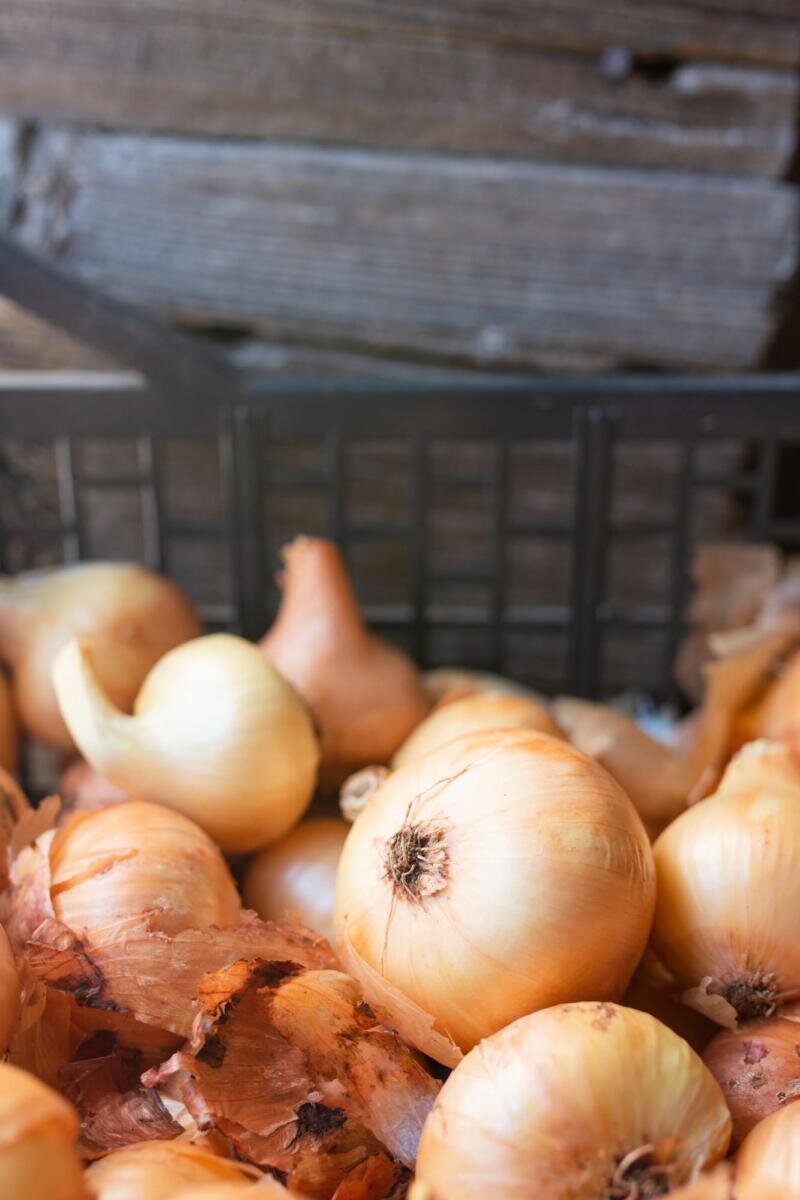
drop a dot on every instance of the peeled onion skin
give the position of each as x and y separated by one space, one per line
38 1129
565 1103
157 1170
768 1162
216 733
9 992
758 1069
478 911
728 902
471 714
9 731
366 695
297 875
128 615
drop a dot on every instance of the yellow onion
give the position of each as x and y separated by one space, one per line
768 1163
9 733
38 1129
471 714
445 684
501 873
297 875
216 733
9 992
157 1170
136 859
577 1102
82 789
757 1067
776 713
366 695
728 907
129 616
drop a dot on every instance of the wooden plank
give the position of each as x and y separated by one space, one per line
497 78
485 262
27 343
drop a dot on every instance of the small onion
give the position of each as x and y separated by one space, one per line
471 714
728 907
216 733
758 1069
157 1170
501 873
9 732
576 1102
297 875
38 1129
9 992
136 859
768 1163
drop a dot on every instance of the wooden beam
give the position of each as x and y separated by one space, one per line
552 79
485 262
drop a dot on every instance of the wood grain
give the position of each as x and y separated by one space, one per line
485 262
506 77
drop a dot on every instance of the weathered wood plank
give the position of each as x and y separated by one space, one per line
498 78
488 262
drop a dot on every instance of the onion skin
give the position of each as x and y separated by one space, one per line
157 1170
38 1129
542 899
216 733
768 1162
471 714
82 789
366 695
9 730
728 905
138 859
549 1107
297 875
653 990
9 992
128 615
758 1069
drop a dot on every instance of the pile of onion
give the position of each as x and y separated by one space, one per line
502 873
583 1100
366 696
128 616
216 733
38 1129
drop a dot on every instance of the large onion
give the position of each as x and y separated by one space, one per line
297 875
768 1163
216 733
499 874
9 733
9 992
471 714
157 1170
366 695
37 1141
129 616
138 859
728 906
577 1102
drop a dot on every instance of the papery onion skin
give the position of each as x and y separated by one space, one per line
82 789
549 1107
728 906
297 875
216 733
768 1162
9 731
136 859
471 714
9 992
366 695
130 617
758 1069
157 1170
38 1129
502 873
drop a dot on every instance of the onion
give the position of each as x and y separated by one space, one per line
499 874
298 875
216 733
263 1189
366 695
9 733
757 1067
157 1170
471 714
444 684
129 616
776 714
82 789
9 992
652 990
728 907
576 1102
768 1163
37 1141
711 1185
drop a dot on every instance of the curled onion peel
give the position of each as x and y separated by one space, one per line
37 1141
576 1102
502 873
768 1162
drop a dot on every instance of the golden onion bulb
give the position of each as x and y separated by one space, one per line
38 1129
768 1163
158 1170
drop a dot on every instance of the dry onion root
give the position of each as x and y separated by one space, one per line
728 907
9 731
297 875
156 1170
129 616
366 695
37 1141
502 873
768 1163
216 733
576 1102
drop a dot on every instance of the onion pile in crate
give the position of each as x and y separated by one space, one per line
544 955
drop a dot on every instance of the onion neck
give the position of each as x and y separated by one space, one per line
316 590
